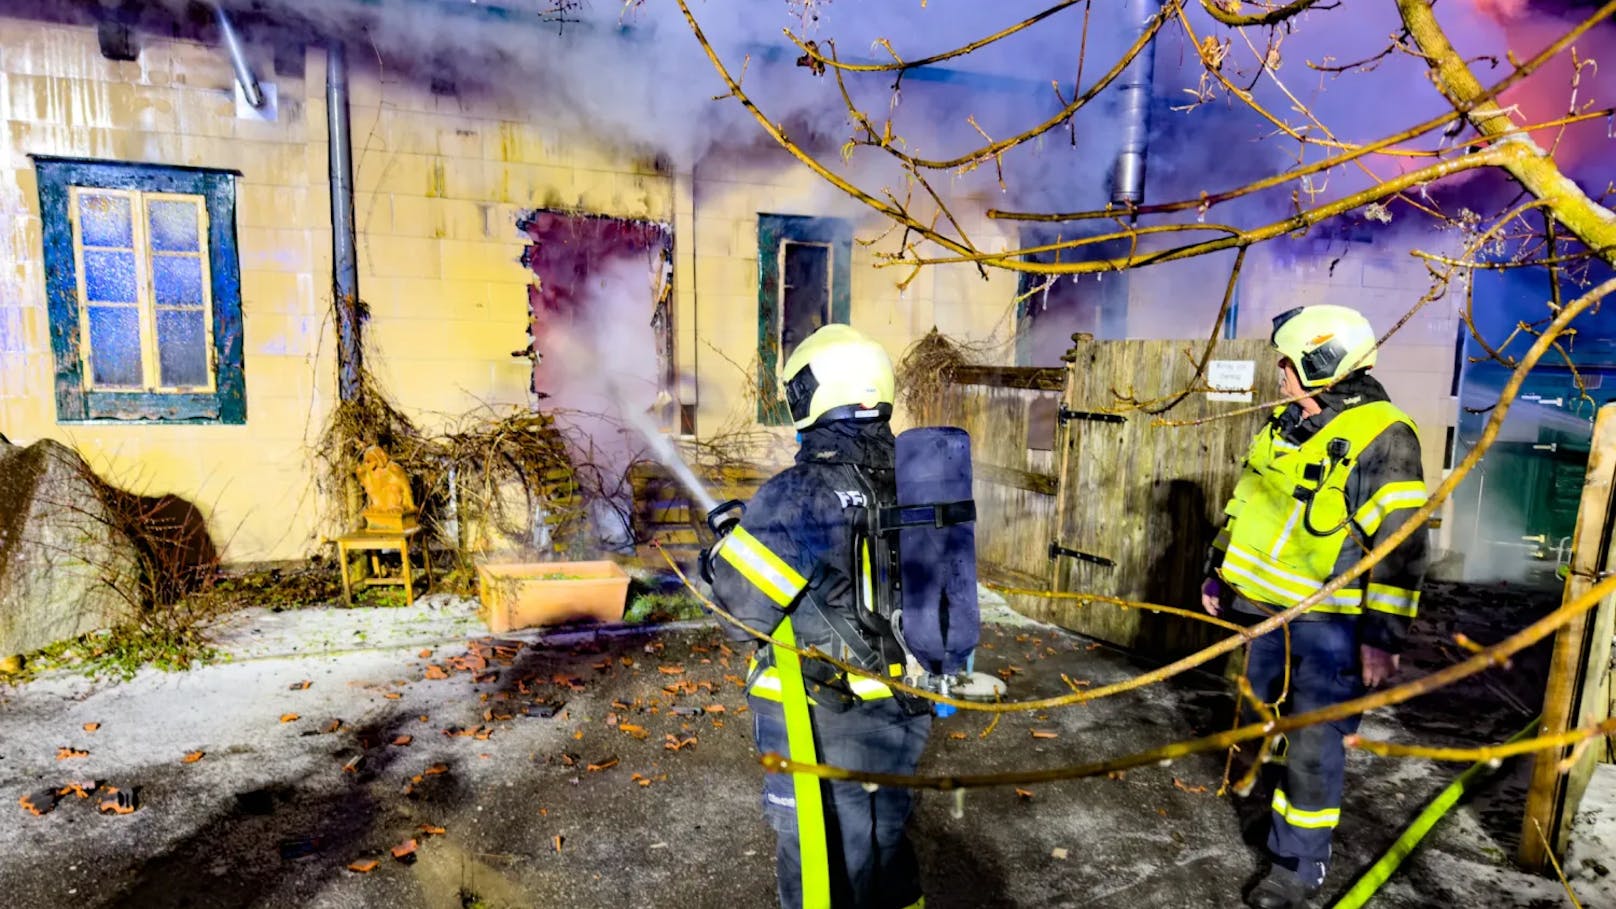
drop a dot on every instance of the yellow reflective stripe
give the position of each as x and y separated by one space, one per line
765 570
869 689
1285 532
1287 588
1321 819
1389 498
811 842
1395 600
868 581
767 687
1337 609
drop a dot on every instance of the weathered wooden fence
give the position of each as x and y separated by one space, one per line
1077 490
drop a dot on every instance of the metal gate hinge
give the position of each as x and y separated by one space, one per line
1065 415
1056 550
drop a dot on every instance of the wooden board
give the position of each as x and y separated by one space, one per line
1146 496
1580 667
1015 492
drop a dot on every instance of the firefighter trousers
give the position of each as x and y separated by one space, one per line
872 863
1324 670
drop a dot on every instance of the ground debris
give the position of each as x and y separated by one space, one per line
191 757
41 802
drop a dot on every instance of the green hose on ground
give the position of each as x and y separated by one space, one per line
1370 882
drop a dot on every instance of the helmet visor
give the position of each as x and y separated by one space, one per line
1281 319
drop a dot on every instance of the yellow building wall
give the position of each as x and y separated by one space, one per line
175 105
441 183
719 307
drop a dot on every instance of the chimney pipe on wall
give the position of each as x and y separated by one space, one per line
238 59
1128 177
344 255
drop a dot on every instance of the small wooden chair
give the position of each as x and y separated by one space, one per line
374 541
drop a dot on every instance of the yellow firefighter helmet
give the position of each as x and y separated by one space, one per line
838 373
1324 342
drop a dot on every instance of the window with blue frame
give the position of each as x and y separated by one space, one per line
805 270
144 291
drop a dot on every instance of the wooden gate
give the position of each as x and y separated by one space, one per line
1010 414
1077 490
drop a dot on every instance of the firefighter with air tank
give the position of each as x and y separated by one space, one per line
1327 478
862 550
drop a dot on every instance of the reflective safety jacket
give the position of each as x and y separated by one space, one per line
801 563
1314 496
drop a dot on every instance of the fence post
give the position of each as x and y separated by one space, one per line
1580 663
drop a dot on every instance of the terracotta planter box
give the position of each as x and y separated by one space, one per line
528 594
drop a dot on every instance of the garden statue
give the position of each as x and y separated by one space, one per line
389 503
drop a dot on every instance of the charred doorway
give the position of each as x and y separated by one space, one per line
601 307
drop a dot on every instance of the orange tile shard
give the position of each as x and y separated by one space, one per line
363 866
289 717
91 727
66 753
193 757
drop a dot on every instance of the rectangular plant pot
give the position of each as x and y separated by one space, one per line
529 594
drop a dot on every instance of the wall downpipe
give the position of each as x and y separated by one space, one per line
238 59
344 257
1128 177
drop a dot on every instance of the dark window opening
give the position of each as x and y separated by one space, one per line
804 292
804 278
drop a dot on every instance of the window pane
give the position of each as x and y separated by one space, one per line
173 226
109 277
104 220
182 348
115 346
805 302
177 280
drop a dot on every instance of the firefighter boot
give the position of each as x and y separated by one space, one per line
1287 889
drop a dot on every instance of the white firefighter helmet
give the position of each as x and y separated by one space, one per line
1324 342
838 373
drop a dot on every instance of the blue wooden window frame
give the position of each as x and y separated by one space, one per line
774 231
75 401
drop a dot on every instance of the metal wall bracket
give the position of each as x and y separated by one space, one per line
1065 415
1056 550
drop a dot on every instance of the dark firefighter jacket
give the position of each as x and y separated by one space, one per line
1368 496
793 554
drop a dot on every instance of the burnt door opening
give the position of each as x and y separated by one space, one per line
601 306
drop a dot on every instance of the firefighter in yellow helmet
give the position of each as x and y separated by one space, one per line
1327 478
799 565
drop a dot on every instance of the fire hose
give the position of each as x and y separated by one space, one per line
1376 875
